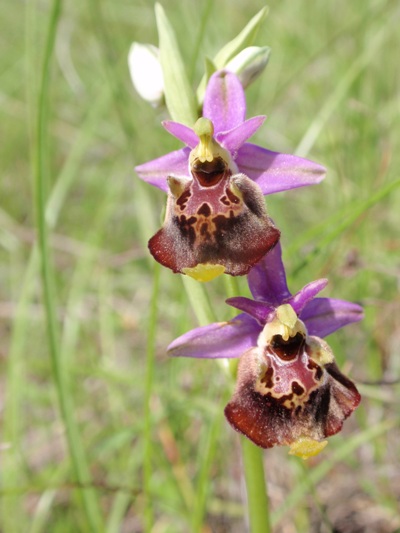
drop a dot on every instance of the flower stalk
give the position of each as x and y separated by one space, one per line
257 497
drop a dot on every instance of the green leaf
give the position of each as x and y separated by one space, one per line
179 96
249 63
210 68
245 38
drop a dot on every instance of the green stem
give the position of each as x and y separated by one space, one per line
199 300
79 463
257 499
231 286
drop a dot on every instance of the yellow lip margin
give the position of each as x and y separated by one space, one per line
204 271
305 448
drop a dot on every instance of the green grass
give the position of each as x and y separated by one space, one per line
100 430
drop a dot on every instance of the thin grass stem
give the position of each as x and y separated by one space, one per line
12 422
199 301
147 432
209 451
79 463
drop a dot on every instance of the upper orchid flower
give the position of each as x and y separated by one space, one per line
289 389
225 106
215 186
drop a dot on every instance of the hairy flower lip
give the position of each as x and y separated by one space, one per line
209 221
289 389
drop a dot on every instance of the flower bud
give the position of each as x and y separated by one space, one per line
146 73
249 63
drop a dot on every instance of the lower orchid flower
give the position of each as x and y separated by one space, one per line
289 389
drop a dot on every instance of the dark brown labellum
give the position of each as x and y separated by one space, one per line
214 219
284 402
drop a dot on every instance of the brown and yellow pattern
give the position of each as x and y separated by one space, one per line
289 388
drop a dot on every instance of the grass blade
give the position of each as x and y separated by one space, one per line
76 450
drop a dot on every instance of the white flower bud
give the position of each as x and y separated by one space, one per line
249 63
146 73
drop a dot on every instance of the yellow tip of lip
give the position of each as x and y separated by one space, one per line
204 271
204 130
286 315
204 127
305 448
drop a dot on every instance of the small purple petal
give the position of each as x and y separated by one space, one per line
156 171
323 316
224 101
181 132
258 310
267 279
275 172
219 340
307 293
232 140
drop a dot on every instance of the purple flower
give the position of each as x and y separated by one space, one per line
225 106
215 213
289 389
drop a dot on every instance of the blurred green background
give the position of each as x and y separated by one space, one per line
331 93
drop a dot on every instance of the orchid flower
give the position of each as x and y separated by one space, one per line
289 389
215 186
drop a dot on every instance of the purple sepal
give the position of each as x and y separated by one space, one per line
258 310
233 139
181 132
219 340
307 293
156 171
323 316
224 101
276 172
267 279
